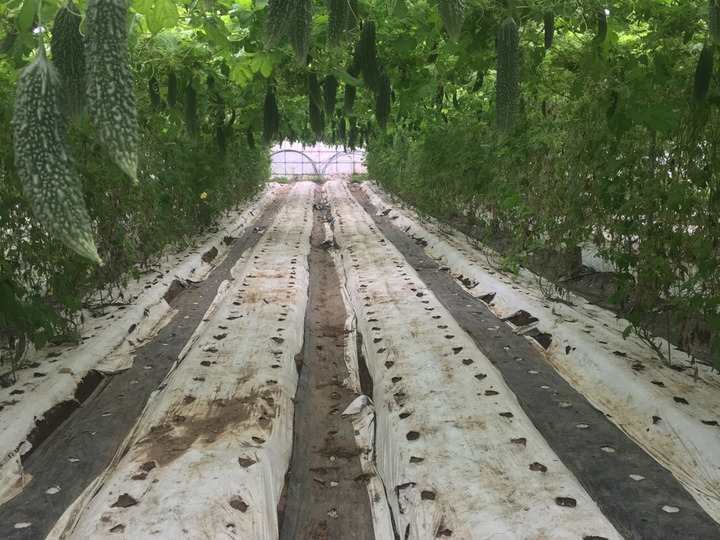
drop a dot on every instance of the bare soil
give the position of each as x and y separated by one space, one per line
325 500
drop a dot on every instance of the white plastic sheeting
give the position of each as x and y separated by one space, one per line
208 457
454 448
670 414
107 345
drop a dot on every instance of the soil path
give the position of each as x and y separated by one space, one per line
598 453
327 498
77 451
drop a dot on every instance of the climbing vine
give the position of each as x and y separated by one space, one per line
601 134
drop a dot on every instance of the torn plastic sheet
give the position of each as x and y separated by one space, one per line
673 415
209 455
107 343
454 458
361 413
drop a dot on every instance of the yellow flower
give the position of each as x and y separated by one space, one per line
50 293
203 195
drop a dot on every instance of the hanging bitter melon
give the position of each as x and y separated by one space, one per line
368 57
271 118
42 157
314 90
221 138
342 131
317 118
338 11
330 86
349 99
714 20
549 28
154 93
300 30
279 17
352 134
382 101
506 85
68 56
110 92
703 74
353 14
452 13
601 26
192 123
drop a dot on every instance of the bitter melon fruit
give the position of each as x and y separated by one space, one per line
338 11
352 134
601 27
68 56
349 100
271 119
353 16
314 89
342 131
506 86
154 93
220 138
42 157
300 30
452 13
317 119
279 17
368 58
714 20
382 102
703 74
549 28
612 109
110 93
330 86
192 124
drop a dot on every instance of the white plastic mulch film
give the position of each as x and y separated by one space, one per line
209 455
107 344
453 446
672 414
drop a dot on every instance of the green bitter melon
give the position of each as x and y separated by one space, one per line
42 157
300 30
279 17
549 28
68 56
452 13
192 123
703 74
271 118
330 86
338 12
382 101
110 93
506 86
